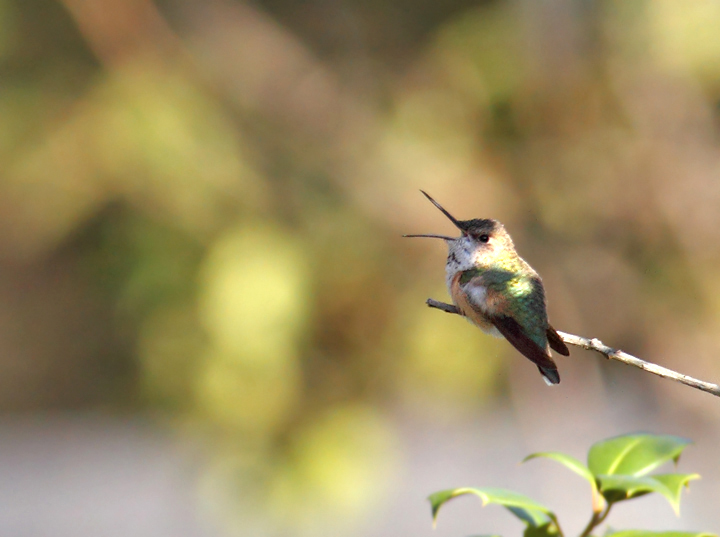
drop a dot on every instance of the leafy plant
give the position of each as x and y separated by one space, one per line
617 470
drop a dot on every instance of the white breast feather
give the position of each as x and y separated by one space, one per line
476 294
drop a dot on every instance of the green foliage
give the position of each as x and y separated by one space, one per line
616 488
636 454
529 511
617 470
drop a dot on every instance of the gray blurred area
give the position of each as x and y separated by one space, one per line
210 324
83 475
93 475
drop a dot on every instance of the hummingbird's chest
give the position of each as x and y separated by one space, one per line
476 303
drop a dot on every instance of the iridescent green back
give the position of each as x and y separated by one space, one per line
520 284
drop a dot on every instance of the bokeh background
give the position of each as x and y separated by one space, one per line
210 324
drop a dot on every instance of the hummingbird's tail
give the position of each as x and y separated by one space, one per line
550 376
514 333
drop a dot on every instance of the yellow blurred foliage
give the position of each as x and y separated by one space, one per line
339 466
254 293
218 193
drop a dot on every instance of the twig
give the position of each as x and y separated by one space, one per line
595 344
597 518
447 308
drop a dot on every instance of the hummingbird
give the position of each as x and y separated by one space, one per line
498 291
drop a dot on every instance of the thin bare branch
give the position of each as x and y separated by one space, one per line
596 345
447 308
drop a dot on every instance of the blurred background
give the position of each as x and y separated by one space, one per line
210 325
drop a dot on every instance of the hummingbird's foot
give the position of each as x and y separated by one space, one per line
447 308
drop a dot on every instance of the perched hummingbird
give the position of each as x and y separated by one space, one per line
498 291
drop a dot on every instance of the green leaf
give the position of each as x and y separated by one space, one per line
644 533
526 509
531 517
635 454
576 466
546 530
617 488
675 483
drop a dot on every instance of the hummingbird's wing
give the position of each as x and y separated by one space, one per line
514 333
556 342
497 298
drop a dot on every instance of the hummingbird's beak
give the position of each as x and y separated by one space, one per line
443 237
451 217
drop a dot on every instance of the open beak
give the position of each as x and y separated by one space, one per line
451 217
432 237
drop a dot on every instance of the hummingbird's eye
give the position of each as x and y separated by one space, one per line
483 238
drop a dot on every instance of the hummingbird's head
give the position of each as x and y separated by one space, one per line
482 241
